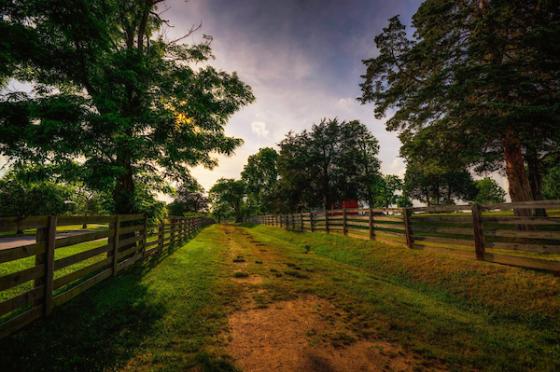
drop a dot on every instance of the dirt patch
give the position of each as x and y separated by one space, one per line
250 279
298 335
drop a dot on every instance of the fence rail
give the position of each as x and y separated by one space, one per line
525 234
36 277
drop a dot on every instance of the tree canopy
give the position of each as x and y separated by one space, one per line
332 162
260 176
478 82
113 100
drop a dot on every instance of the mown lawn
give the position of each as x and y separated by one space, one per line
465 313
171 315
154 317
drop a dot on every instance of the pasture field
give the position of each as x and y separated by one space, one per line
262 298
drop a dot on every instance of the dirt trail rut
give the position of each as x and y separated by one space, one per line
275 331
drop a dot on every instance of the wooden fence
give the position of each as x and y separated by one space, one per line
45 273
508 233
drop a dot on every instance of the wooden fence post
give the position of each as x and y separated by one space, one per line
46 236
116 238
344 222
160 237
311 221
301 221
370 224
478 232
327 221
145 236
407 229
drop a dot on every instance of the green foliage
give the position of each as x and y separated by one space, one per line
260 176
189 199
431 183
227 199
474 89
112 96
332 162
551 186
488 191
22 197
386 189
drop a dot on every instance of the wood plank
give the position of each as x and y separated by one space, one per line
20 321
24 299
32 222
540 248
130 240
514 220
523 234
80 220
125 264
131 217
77 239
442 208
442 219
129 251
63 280
14 279
71 293
443 230
78 257
129 229
531 263
436 239
524 205
12 254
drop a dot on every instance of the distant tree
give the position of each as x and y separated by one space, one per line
189 197
435 185
481 85
260 175
488 191
332 162
552 184
112 95
386 189
21 196
227 198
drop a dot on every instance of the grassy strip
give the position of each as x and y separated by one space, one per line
468 314
150 317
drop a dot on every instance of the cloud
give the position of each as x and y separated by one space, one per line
259 128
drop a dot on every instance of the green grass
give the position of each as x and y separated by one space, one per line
159 316
468 314
170 315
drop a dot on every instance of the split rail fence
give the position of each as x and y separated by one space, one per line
517 234
45 273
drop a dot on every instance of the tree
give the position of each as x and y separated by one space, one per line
22 196
227 197
488 191
485 80
552 184
112 95
435 185
332 162
260 176
189 198
386 189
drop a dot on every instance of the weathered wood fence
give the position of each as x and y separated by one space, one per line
38 276
497 232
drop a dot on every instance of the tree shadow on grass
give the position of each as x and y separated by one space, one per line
99 330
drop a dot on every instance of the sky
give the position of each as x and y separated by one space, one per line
302 59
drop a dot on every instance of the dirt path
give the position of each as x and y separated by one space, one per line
280 325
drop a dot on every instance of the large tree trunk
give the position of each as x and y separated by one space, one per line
123 195
519 188
535 178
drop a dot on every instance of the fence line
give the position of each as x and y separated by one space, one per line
505 233
30 293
